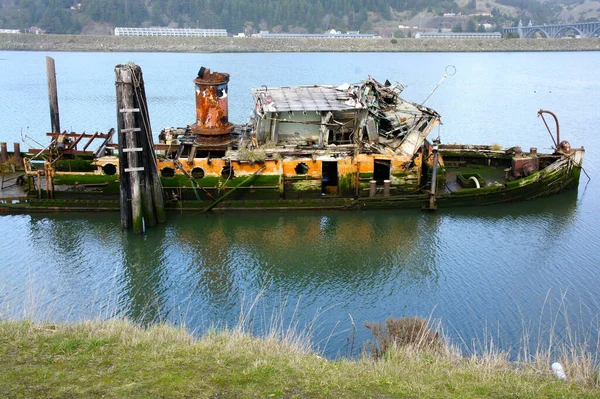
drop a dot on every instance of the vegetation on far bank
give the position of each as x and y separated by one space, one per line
79 43
117 359
378 16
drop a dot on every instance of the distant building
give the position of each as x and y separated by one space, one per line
348 35
456 35
170 32
10 31
36 30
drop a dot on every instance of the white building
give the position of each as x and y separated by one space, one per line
170 32
349 35
456 35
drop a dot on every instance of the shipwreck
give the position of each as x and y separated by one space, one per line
349 146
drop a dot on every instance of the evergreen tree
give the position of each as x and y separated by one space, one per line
312 15
471 25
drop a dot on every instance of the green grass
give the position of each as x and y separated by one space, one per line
117 359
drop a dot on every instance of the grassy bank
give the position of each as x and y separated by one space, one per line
31 42
117 359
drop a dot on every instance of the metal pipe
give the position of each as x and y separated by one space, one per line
432 193
541 113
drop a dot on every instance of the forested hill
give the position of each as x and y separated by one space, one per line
249 16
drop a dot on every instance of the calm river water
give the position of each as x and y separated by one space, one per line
499 268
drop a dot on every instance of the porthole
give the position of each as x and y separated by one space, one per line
109 169
227 172
301 169
197 173
167 172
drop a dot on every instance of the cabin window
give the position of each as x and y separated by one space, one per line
227 172
210 154
167 172
197 173
381 170
301 168
109 169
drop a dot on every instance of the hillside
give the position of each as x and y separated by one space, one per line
378 16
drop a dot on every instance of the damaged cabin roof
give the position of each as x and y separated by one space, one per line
307 98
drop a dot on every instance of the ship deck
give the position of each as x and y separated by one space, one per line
489 174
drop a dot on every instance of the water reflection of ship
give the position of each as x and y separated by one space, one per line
213 261
221 256
363 249
306 247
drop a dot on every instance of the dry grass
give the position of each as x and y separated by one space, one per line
10 165
407 331
252 155
116 359
411 357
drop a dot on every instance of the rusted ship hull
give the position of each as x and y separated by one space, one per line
358 146
96 192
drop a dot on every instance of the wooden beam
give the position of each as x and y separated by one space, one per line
74 143
90 141
52 95
84 135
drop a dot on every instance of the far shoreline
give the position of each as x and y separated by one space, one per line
85 43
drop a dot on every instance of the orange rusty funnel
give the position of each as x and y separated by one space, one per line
211 104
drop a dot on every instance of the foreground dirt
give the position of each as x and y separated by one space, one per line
26 42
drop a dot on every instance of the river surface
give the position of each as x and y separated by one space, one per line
497 271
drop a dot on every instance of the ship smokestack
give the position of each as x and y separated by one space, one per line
212 106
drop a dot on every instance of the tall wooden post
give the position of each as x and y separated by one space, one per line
3 152
52 95
141 191
17 152
153 193
127 149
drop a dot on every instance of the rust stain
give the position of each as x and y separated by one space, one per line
212 104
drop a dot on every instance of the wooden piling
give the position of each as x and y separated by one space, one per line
3 152
123 179
154 193
52 95
17 152
141 191
128 137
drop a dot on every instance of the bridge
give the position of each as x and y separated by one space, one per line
584 29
